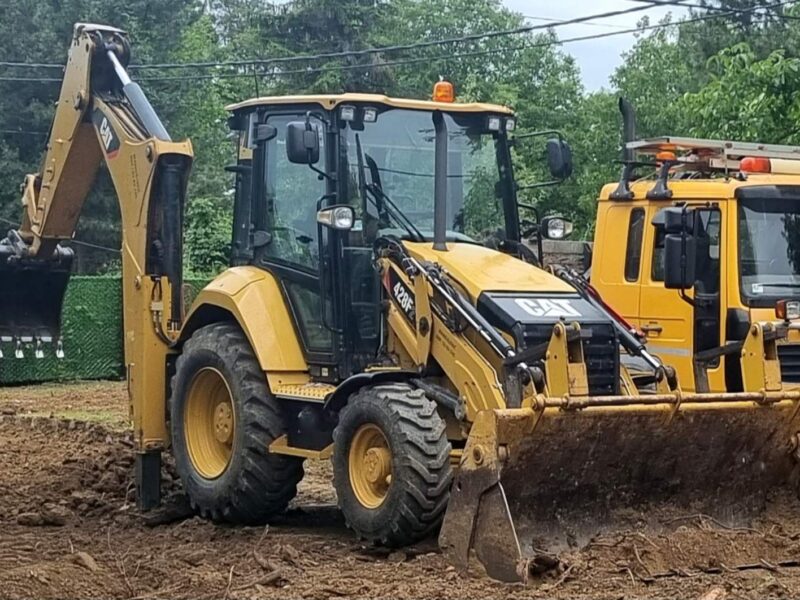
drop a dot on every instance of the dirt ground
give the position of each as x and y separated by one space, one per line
68 529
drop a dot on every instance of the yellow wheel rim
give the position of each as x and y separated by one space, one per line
370 465
209 423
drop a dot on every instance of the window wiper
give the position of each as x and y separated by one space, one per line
375 194
778 284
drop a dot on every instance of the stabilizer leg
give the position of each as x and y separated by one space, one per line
148 479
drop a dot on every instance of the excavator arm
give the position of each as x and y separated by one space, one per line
103 117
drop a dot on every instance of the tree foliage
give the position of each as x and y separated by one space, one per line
734 76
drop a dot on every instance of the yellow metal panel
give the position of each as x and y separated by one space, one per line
329 101
254 298
480 269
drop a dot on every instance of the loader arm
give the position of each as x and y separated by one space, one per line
103 117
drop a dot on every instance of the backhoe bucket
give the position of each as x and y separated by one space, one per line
535 483
31 296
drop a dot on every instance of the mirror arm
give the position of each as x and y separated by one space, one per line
322 174
541 184
531 134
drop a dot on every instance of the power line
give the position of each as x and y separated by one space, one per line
368 51
554 20
440 58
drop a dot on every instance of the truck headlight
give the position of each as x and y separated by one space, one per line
788 310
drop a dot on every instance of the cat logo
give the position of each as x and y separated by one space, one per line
108 138
105 134
547 307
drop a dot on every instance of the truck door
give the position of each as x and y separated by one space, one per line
619 283
675 329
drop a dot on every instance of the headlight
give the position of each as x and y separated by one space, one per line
511 124
788 310
556 228
493 124
337 217
370 114
347 113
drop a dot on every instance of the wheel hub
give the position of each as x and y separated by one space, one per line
370 465
209 423
223 422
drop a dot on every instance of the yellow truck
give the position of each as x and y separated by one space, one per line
697 253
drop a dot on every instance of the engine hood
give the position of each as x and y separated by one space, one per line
479 269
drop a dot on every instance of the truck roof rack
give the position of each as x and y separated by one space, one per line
714 154
680 157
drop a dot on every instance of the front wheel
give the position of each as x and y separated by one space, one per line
391 464
223 419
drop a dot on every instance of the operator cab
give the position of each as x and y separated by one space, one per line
321 178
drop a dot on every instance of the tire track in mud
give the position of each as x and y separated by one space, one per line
69 529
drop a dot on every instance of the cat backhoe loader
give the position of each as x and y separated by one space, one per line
381 311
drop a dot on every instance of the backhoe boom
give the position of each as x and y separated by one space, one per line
103 117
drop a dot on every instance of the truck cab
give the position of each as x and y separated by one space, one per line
740 203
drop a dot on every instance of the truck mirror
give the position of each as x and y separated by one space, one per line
302 143
559 158
680 254
677 219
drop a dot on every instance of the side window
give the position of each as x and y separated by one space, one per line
708 240
633 251
708 251
308 309
292 191
657 268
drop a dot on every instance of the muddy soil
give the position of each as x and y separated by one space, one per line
69 529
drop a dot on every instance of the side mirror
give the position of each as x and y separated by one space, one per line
302 143
680 247
559 158
555 228
340 217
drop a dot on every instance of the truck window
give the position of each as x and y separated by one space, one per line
633 251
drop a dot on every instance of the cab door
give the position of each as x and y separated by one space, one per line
619 282
676 329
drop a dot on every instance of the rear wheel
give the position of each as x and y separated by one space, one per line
391 464
223 419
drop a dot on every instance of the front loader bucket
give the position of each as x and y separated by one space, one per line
31 296
535 483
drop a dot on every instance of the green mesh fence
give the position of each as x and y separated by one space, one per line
92 334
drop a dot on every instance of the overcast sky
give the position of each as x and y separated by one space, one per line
597 59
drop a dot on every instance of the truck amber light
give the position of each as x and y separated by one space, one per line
755 164
443 91
787 310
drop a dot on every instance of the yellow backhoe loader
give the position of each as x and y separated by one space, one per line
381 311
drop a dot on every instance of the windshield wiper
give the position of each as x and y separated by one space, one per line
376 193
779 284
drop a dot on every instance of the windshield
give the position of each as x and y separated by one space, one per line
397 157
769 249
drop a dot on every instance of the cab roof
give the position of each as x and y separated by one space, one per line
717 188
329 101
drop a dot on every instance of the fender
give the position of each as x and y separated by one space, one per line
253 298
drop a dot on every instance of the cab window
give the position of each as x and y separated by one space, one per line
633 251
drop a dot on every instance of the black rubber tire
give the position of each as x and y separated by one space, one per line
256 484
421 473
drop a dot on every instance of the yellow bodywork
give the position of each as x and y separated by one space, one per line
660 313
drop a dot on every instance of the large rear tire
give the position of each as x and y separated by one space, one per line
391 465
223 419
